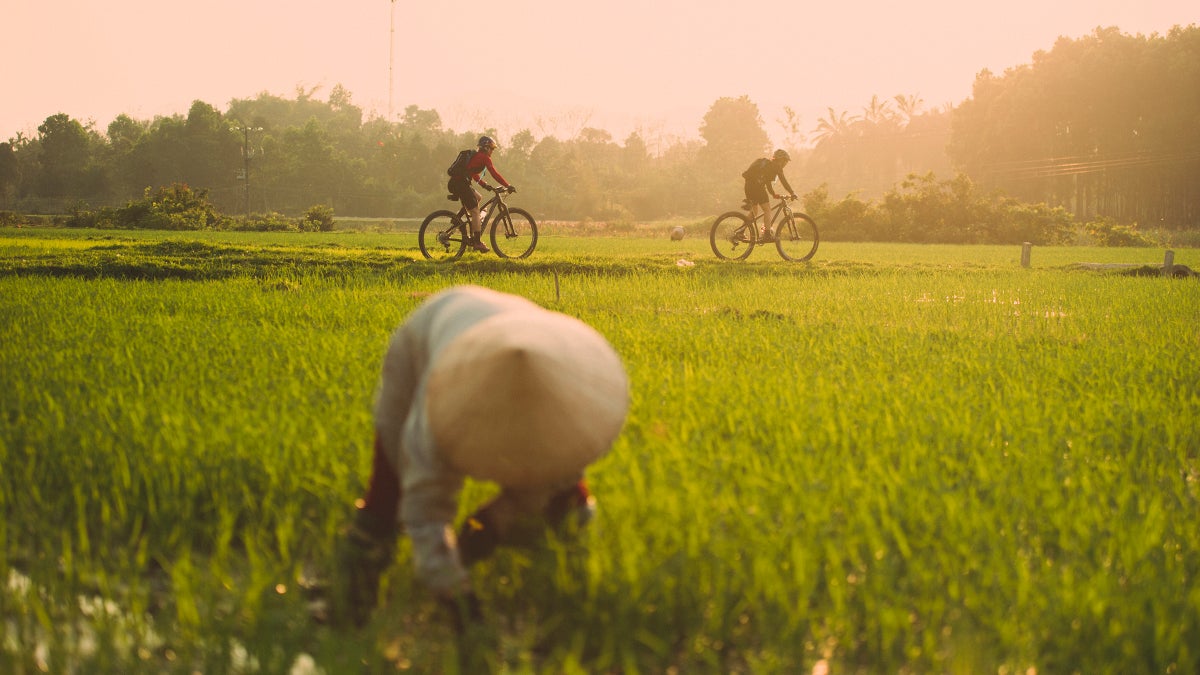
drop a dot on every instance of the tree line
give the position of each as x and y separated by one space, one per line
1102 126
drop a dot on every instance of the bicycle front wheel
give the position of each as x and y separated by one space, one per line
796 238
732 236
514 234
442 238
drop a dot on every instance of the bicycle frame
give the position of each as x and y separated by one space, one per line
491 207
781 208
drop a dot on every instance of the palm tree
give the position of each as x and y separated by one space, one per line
878 113
834 127
908 106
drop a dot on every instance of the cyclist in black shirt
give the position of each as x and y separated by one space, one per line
759 179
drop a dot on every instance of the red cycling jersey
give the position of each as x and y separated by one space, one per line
480 161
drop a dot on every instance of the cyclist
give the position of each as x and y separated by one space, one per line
759 179
460 186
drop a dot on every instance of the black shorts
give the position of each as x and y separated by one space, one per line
461 188
756 192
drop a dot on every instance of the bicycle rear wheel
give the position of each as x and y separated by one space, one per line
442 237
514 234
732 236
796 238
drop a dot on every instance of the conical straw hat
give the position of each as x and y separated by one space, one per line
526 398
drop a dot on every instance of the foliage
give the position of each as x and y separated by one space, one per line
733 135
1101 123
319 218
179 207
174 207
1106 232
268 222
1098 126
925 210
848 219
922 209
868 153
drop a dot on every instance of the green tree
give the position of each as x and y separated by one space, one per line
10 173
733 134
1100 124
66 168
213 149
419 121
734 137
159 157
124 136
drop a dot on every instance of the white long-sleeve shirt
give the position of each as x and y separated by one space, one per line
430 487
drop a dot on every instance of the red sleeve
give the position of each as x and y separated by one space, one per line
478 163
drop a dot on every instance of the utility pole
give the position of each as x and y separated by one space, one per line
246 153
391 56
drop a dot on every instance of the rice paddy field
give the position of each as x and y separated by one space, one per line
893 459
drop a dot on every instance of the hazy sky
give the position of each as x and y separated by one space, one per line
552 66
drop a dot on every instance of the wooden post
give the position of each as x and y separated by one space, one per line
1025 252
1169 264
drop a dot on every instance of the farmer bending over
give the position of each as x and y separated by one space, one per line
488 385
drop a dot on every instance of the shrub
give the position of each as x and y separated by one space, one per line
1107 232
176 207
922 209
1035 223
849 219
83 218
268 222
319 218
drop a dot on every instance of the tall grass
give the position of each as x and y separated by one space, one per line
916 459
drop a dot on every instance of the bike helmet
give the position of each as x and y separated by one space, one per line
487 142
782 154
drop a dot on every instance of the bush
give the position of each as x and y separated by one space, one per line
176 207
1106 232
1036 223
268 222
850 219
319 218
922 209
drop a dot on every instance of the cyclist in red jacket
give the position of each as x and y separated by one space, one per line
759 178
460 186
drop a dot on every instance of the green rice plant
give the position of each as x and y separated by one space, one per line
918 459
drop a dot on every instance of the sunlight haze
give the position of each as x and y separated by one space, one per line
653 66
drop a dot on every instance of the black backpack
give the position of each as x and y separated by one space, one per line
459 168
757 168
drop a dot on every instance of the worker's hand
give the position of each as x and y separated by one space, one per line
512 189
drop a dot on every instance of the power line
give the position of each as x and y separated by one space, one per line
1070 166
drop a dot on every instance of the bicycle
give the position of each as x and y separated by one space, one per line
514 234
734 234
